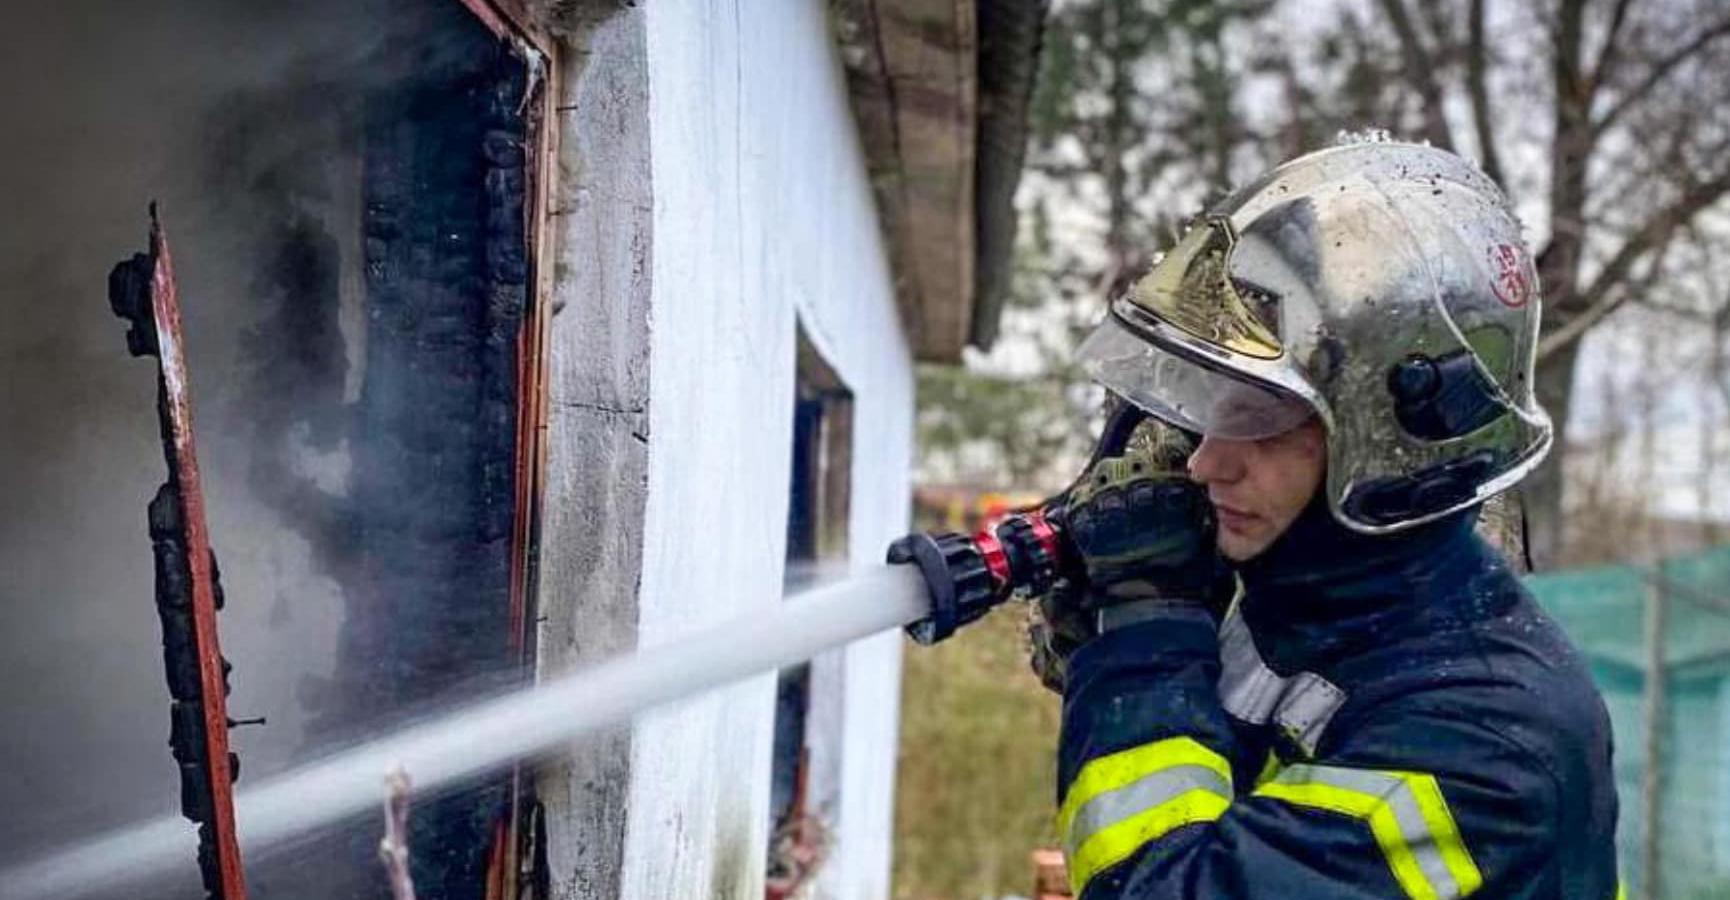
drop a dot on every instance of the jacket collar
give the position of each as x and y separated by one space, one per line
1322 590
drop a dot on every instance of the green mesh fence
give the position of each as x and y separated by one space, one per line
1659 637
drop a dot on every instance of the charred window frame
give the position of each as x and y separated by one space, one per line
511 22
518 843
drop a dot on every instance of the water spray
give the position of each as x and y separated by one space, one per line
493 733
943 581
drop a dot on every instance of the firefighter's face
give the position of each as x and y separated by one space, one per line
1258 487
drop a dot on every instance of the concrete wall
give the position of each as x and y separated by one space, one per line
598 430
762 214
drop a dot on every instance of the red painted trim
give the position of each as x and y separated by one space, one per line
509 21
530 450
805 853
165 303
992 549
498 874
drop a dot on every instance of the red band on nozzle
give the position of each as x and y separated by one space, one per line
991 549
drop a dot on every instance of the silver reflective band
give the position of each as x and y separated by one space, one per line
1137 797
1301 705
1183 393
1155 788
1406 814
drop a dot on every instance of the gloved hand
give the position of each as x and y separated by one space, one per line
1145 534
1143 531
1057 626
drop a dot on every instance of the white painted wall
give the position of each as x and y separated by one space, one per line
762 213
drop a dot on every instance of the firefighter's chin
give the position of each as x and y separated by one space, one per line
1243 535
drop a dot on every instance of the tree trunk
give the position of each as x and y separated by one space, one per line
1503 524
1542 490
1559 272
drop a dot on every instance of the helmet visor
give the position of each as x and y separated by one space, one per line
1192 290
1187 394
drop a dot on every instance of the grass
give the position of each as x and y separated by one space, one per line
974 787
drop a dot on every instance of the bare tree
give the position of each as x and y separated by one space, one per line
1636 148
1607 121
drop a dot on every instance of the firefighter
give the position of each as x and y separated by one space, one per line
1295 669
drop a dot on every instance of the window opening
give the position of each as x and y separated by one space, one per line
425 542
424 231
807 697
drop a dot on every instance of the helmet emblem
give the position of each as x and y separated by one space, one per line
1512 285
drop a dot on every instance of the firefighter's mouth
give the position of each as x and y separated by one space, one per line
1233 518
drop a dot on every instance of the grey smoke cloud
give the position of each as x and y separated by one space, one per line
237 117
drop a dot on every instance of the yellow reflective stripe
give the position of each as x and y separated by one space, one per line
1409 847
1360 806
1444 831
1110 846
1621 890
1110 772
1134 796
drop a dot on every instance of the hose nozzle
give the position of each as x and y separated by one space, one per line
969 574
1021 553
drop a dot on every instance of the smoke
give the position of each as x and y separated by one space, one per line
251 124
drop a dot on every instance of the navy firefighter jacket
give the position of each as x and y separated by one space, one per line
1379 717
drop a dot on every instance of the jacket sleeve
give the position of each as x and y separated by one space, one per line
1411 803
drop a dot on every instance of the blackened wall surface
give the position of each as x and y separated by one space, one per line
428 517
434 429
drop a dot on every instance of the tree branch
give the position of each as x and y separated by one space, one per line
1602 308
1607 55
1439 27
1420 71
1660 71
1656 230
393 848
1673 309
1477 63
1601 297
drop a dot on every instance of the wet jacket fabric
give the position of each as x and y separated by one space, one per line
1375 718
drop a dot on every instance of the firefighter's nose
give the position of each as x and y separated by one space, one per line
1217 460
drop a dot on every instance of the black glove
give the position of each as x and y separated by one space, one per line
1144 533
1057 626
